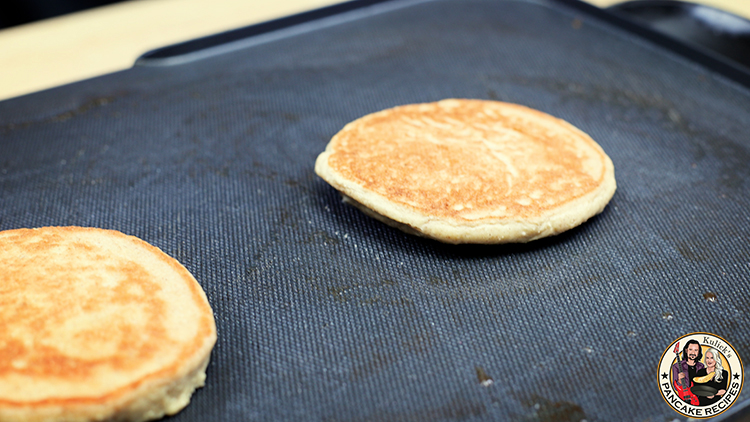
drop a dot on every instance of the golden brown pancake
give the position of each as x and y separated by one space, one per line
469 171
97 325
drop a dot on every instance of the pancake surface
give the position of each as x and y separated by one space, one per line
97 325
469 171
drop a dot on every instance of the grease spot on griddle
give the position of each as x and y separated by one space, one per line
711 297
693 251
545 410
484 379
371 365
457 409
376 293
419 342
321 237
437 281
63 116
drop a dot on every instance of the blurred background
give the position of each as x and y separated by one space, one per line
47 43
19 12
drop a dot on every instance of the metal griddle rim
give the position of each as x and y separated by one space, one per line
190 50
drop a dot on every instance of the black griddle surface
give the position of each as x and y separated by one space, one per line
326 314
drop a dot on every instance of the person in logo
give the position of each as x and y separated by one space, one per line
720 378
688 366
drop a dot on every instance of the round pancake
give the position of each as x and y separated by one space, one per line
469 171
97 325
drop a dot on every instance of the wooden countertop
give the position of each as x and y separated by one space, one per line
82 45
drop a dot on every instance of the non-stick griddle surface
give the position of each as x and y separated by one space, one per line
325 314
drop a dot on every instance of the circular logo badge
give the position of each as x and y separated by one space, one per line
700 375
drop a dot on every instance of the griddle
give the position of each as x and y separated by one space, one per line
325 314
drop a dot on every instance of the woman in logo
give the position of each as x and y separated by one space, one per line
720 378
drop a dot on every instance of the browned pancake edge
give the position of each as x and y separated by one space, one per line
38 261
470 171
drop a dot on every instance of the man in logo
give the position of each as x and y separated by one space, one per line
685 370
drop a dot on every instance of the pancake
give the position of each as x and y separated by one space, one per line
469 171
97 325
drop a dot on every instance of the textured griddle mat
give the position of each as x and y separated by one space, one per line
325 314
